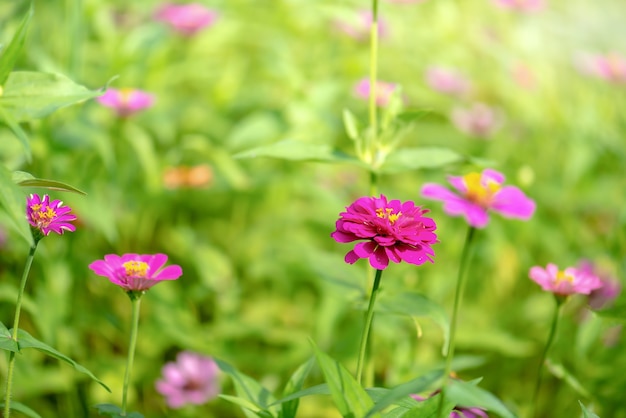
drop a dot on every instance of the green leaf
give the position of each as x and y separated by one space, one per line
294 385
469 395
412 115
587 413
6 340
247 405
404 391
114 411
19 407
405 159
562 373
297 151
9 56
429 408
350 398
25 340
17 130
351 125
322 389
616 312
50 184
31 95
14 202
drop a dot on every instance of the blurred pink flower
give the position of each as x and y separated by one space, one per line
406 1
384 90
521 5
564 282
187 19
45 216
359 27
610 67
391 230
479 120
126 101
135 272
477 194
447 81
607 293
191 379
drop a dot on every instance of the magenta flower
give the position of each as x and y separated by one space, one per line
610 67
608 292
477 194
187 19
126 101
564 282
45 216
192 379
521 5
384 90
479 120
359 27
447 81
135 272
391 230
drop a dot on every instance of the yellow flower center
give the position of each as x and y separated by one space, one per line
388 214
42 217
561 276
477 192
125 95
136 268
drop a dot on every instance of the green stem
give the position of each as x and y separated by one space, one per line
16 323
368 325
553 326
458 296
373 118
134 326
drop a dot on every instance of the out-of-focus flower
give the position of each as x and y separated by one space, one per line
191 379
479 120
477 194
135 272
458 411
610 67
390 230
360 25
564 282
126 101
608 292
524 76
447 81
406 1
521 5
384 90
187 19
45 216
194 177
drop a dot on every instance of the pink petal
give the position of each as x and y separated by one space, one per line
351 257
379 259
438 192
511 202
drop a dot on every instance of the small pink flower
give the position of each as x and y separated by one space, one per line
564 282
447 81
359 27
479 120
384 90
477 194
607 293
135 272
391 230
191 379
45 216
187 19
126 101
521 5
610 67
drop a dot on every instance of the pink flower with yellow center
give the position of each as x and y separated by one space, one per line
135 272
126 101
564 282
384 90
46 216
477 194
390 230
187 19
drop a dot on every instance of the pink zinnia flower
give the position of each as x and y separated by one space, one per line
607 293
126 101
521 5
610 67
188 19
135 272
359 27
384 90
479 120
564 282
391 230
191 379
477 194
447 81
45 216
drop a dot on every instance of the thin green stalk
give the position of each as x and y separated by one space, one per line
368 325
373 118
16 323
458 296
553 326
134 326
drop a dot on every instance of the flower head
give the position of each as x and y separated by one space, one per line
479 193
479 120
126 101
191 379
610 67
359 27
608 292
135 272
447 81
564 282
390 230
384 90
45 216
187 19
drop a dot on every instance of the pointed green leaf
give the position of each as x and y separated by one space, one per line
405 159
9 56
10 121
587 413
25 340
114 411
429 408
50 184
294 385
6 340
313 390
246 405
14 202
18 176
297 151
350 398
351 125
248 389
19 407
469 395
